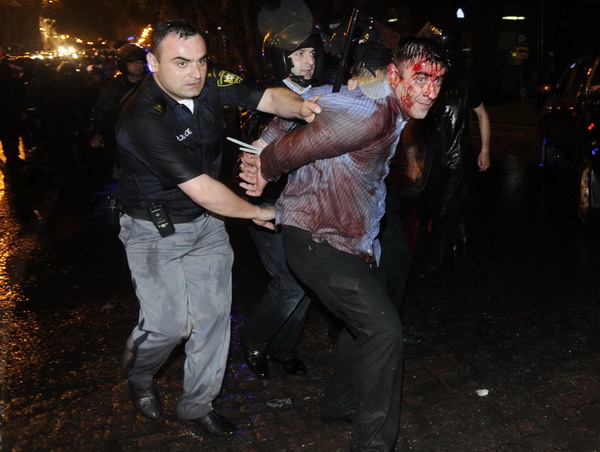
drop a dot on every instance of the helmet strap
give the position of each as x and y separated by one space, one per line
299 80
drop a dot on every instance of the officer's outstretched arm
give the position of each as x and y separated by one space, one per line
217 198
285 103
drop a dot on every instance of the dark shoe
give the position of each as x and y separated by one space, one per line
410 339
460 235
146 401
292 366
258 363
213 423
429 272
423 226
342 418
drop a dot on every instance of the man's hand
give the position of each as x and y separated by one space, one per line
309 109
483 161
254 183
97 141
264 218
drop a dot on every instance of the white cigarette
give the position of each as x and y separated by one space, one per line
245 145
251 151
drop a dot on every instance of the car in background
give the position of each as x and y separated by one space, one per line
569 130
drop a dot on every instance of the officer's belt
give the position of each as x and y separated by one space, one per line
142 214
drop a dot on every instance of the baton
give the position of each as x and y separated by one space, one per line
345 52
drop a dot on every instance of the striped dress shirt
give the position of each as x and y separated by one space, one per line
337 166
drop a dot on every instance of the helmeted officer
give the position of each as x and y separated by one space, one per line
295 60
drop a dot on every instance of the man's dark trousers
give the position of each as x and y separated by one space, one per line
355 292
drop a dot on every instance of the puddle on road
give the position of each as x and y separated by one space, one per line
20 220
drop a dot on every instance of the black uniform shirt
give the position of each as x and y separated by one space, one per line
163 144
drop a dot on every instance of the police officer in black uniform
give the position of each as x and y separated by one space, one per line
132 70
169 136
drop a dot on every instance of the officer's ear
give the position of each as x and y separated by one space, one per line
152 62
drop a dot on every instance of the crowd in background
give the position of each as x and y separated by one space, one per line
47 112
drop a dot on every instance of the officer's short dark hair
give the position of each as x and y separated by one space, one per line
369 57
181 28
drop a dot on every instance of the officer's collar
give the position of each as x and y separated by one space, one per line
172 102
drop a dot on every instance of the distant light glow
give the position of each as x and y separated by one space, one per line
460 14
513 17
145 33
393 19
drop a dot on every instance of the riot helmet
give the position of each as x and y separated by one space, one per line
95 69
277 48
130 52
66 69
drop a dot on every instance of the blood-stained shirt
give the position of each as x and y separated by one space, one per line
339 162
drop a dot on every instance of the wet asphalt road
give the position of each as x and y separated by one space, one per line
515 314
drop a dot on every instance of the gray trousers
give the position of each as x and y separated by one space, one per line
183 285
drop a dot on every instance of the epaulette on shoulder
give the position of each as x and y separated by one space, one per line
159 107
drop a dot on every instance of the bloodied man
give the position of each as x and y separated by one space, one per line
330 212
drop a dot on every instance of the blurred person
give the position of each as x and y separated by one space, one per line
33 83
96 78
453 160
275 327
12 113
169 134
64 102
330 212
132 70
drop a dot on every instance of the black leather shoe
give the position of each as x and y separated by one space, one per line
460 235
429 272
146 401
212 423
292 366
342 418
258 363
410 339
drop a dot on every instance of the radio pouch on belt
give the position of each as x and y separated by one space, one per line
158 215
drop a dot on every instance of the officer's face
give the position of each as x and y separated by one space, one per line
304 62
180 67
417 84
136 67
